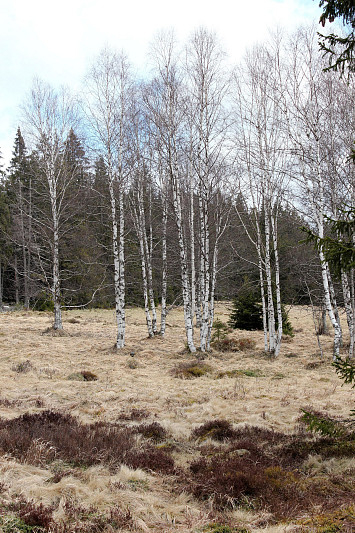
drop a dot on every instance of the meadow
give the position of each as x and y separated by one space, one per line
149 439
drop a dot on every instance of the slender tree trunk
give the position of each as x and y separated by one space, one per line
329 307
139 230
278 290
348 310
262 289
164 281
186 295
17 288
213 288
149 256
192 246
352 297
121 315
56 273
270 302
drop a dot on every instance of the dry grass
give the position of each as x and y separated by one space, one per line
250 389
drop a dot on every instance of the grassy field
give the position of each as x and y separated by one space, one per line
92 439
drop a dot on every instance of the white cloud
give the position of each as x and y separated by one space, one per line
57 40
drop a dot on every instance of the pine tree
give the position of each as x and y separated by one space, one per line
247 311
20 193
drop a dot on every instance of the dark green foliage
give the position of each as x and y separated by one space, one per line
338 251
322 424
287 328
43 302
345 370
247 312
219 330
339 49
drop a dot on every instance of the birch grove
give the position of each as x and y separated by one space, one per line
190 172
264 160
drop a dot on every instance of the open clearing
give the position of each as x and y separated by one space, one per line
137 385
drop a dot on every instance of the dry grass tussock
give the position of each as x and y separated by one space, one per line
151 439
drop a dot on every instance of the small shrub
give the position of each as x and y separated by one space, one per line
154 431
191 369
234 345
252 373
84 375
219 330
76 376
338 520
36 515
219 430
132 364
88 376
134 414
73 321
219 528
13 524
23 367
255 373
313 365
278 375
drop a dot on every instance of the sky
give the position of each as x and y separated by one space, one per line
57 41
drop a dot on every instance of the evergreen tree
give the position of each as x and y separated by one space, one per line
20 193
339 49
5 248
247 311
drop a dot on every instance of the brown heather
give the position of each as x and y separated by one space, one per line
140 450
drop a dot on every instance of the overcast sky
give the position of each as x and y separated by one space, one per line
56 41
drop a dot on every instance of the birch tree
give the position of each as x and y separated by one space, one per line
207 87
167 113
49 116
306 110
108 91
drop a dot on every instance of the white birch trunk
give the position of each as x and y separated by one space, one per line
261 279
56 274
329 307
139 231
121 315
213 288
183 263
149 256
348 310
270 303
192 247
164 281
278 290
